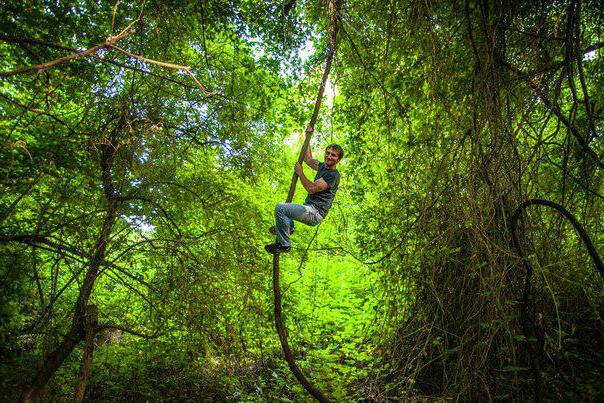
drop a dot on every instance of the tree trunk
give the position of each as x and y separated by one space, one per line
92 315
77 332
52 362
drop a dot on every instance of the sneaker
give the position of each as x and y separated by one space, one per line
276 248
273 230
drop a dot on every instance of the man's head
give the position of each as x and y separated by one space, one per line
333 154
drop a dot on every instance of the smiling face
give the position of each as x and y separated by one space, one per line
332 157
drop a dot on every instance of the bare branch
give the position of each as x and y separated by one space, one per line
151 61
14 39
117 3
44 66
186 69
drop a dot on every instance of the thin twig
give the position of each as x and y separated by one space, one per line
117 3
151 61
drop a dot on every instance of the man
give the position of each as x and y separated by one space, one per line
321 193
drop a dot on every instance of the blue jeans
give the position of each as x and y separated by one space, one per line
285 213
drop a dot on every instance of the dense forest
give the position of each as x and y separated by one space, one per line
145 144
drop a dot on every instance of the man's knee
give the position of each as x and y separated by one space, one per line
279 207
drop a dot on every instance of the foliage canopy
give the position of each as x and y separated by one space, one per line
145 189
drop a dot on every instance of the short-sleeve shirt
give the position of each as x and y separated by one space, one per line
322 200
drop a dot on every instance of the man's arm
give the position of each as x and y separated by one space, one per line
311 187
310 161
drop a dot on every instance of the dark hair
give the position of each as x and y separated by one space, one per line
338 148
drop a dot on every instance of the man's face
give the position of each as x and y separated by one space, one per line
331 157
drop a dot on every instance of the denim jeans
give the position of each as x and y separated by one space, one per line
285 213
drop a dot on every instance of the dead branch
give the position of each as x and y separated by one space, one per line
14 39
109 43
44 66
151 61
186 69
117 3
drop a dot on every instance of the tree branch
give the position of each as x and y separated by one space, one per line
80 256
44 66
129 331
556 111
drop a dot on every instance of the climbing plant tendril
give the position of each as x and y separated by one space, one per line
526 317
334 7
283 337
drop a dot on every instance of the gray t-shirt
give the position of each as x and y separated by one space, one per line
322 200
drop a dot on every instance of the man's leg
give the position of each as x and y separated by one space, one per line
283 221
286 213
